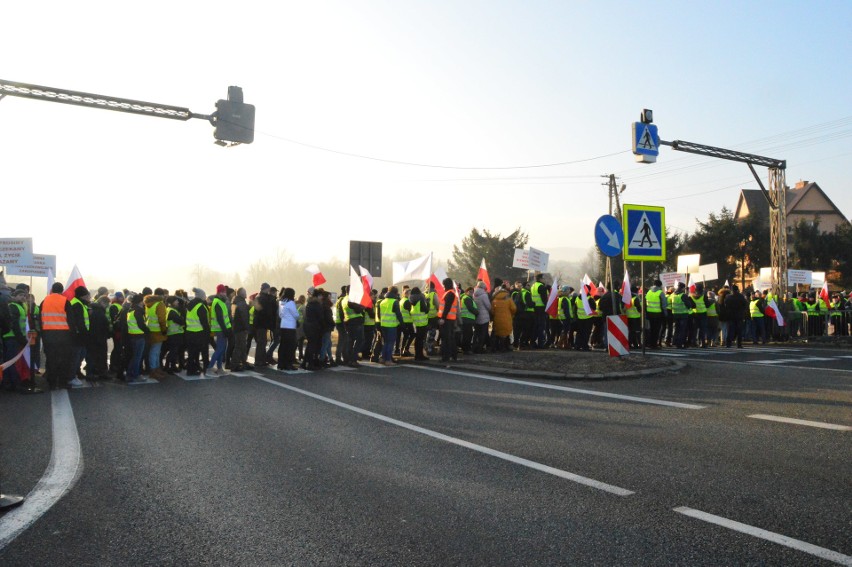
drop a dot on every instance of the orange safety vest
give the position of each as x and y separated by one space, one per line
454 310
53 315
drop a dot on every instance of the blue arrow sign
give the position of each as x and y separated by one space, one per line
609 236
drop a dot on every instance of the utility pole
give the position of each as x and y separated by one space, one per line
614 191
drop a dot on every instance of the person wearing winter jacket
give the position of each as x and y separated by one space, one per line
483 318
503 311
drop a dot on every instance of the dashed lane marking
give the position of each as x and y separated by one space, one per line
612 489
795 421
567 389
799 545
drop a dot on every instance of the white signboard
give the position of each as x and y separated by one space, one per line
671 279
539 260
688 263
521 259
16 251
708 273
818 278
797 277
40 265
532 259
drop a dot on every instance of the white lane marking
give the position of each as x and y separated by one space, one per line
803 546
802 422
793 367
813 359
773 361
618 491
63 471
567 389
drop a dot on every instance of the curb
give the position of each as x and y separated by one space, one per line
673 367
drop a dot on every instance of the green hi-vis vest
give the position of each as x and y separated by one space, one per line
251 315
711 310
193 321
173 328
405 311
214 320
132 324
835 309
22 320
433 304
419 318
151 318
524 294
560 311
633 311
753 309
370 318
581 311
76 301
389 318
700 307
678 308
652 300
347 312
464 312
535 289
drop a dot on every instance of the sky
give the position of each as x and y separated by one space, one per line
402 122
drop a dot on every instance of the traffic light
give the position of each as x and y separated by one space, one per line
234 120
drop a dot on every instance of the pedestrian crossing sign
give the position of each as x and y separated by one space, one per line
644 233
646 142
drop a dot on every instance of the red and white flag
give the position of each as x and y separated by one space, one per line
438 276
584 298
691 284
593 289
360 286
74 281
773 311
552 307
317 279
483 275
824 295
626 295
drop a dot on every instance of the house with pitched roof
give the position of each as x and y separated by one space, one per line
806 201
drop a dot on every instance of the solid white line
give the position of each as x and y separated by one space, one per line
65 468
567 389
773 361
618 491
786 367
801 422
803 546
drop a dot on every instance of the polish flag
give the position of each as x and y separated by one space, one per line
483 275
584 299
317 279
74 281
691 284
360 286
823 293
552 307
773 311
593 289
626 296
438 276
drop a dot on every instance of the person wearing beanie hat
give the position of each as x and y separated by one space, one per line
221 289
78 321
264 286
136 331
241 330
220 325
197 333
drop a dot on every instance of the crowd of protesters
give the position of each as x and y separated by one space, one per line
155 333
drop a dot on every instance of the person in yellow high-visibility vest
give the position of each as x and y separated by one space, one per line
390 318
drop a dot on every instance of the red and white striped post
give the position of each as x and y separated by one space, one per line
617 335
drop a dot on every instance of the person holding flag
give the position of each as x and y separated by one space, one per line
583 312
14 342
482 276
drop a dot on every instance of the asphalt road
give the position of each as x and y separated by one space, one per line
436 466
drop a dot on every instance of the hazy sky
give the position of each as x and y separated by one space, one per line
351 95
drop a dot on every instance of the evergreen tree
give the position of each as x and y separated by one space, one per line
498 252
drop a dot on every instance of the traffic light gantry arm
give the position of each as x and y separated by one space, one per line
244 130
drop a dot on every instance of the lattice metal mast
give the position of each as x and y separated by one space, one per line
776 197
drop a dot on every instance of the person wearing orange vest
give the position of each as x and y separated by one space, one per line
56 334
448 314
